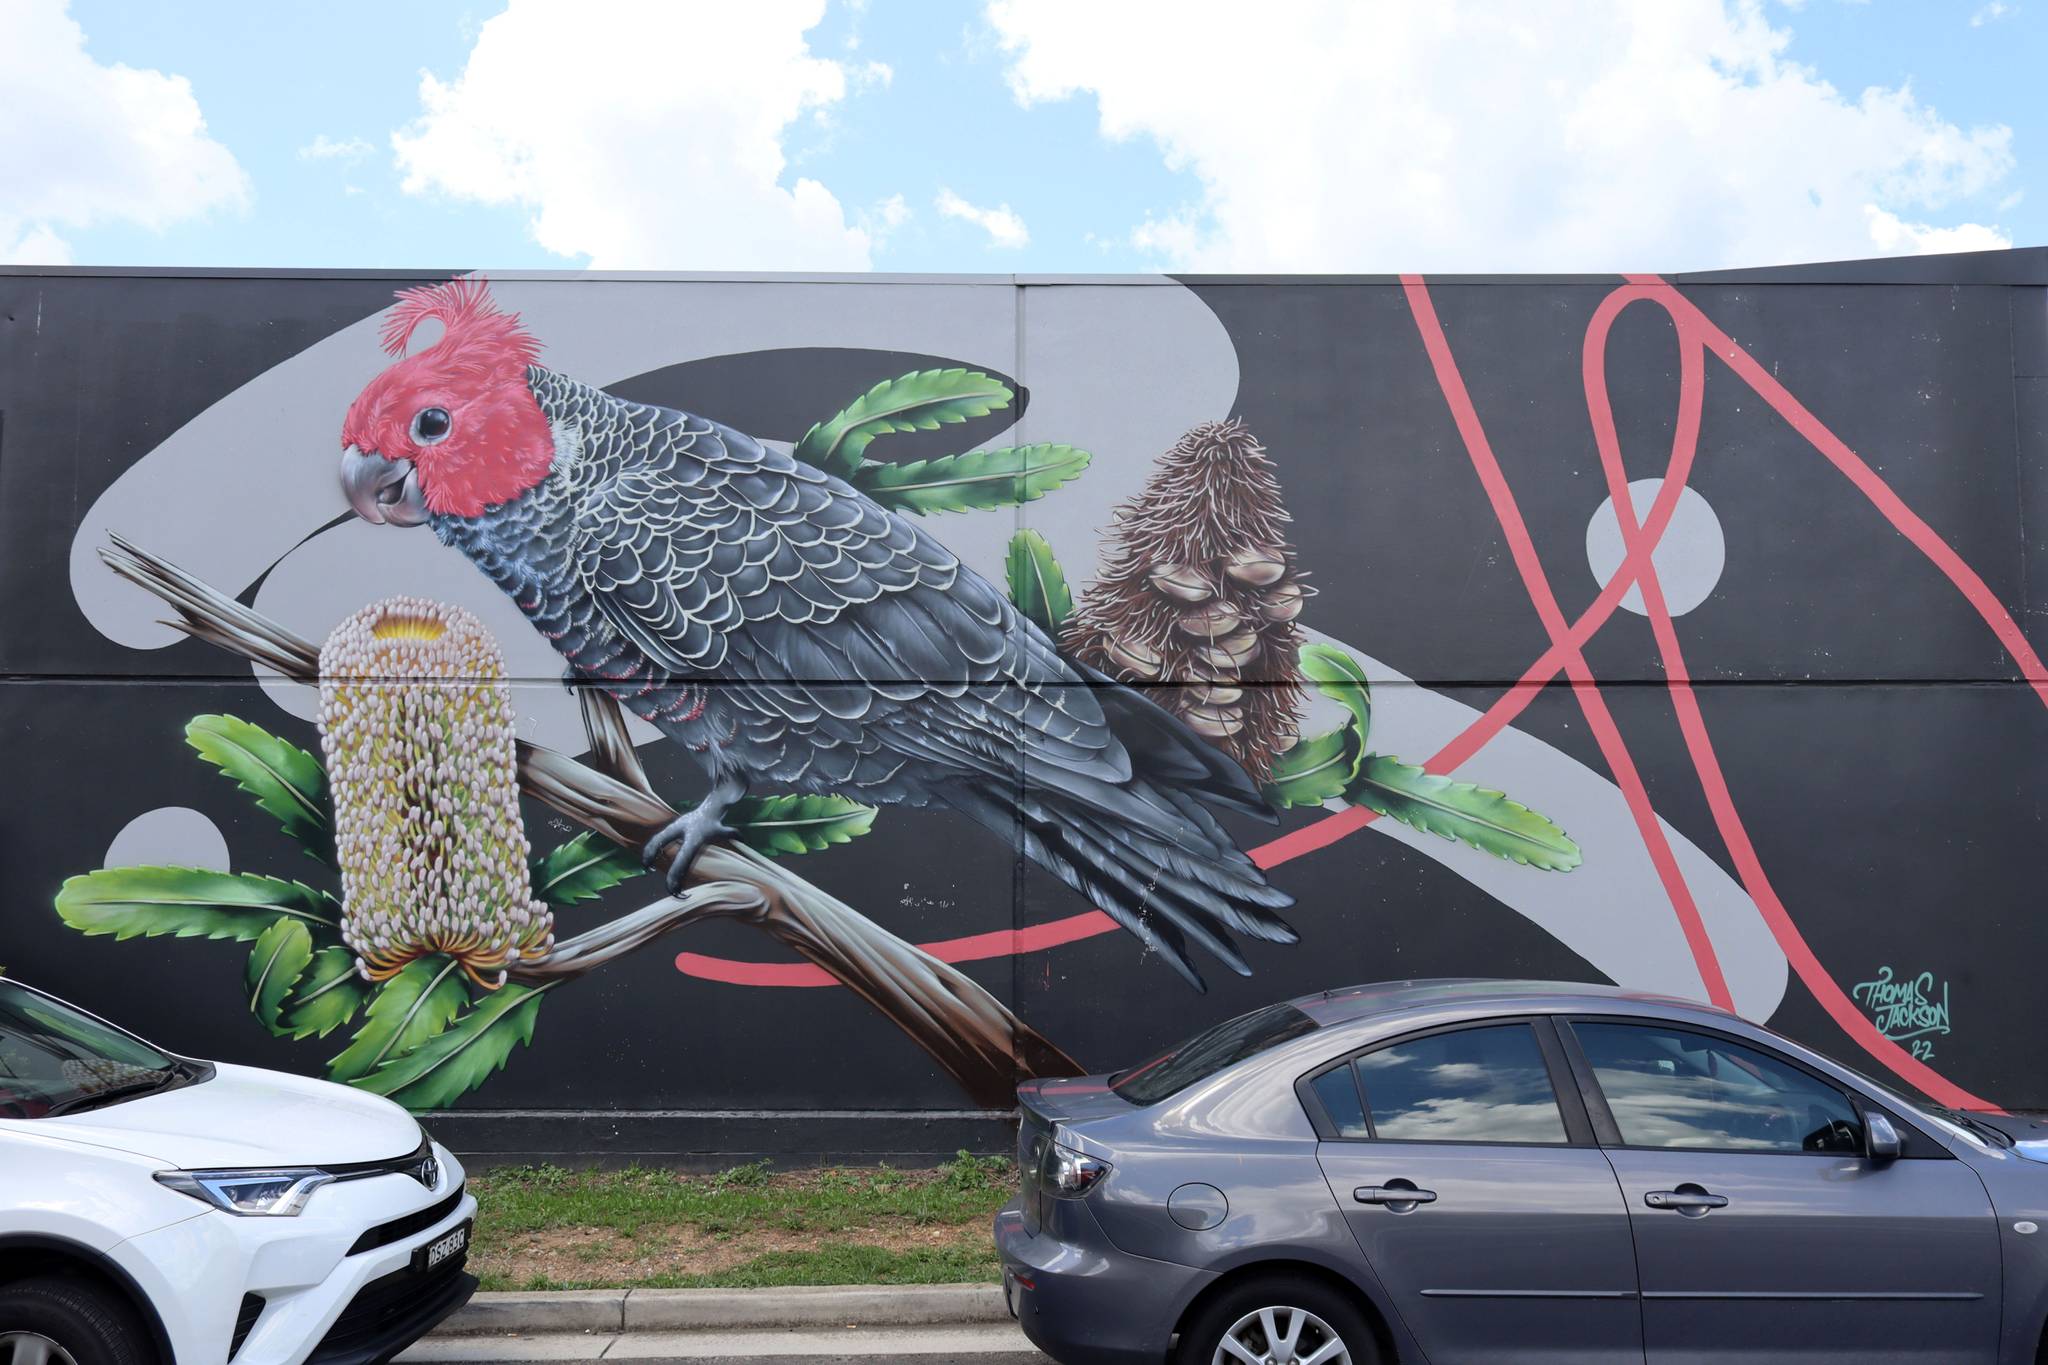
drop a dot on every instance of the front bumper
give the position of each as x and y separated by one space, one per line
1081 1300
323 1300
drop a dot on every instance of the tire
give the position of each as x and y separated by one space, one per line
59 1318
1322 1310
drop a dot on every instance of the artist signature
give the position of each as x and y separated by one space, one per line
1906 1009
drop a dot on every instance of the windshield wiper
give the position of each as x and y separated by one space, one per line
1996 1136
139 1086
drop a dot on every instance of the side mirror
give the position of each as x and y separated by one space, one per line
1880 1139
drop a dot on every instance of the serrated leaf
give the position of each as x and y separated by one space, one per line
1037 587
406 1011
286 781
922 401
443 1069
1313 771
974 481
275 964
328 995
1483 818
798 824
190 902
581 869
1341 678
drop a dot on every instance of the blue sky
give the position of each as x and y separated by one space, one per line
1607 134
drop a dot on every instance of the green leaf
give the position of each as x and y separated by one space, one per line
581 869
799 824
190 902
1037 587
407 1010
1322 767
922 401
1341 678
974 481
275 965
442 1070
285 779
1485 819
1314 770
327 996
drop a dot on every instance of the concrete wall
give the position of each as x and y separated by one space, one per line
1788 755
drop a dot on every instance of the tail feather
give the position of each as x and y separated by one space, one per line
1152 859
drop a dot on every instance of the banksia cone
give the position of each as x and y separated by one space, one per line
1198 596
416 721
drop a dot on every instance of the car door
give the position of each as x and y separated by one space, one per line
1466 1166
1763 1232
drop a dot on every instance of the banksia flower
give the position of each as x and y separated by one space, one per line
416 721
1198 597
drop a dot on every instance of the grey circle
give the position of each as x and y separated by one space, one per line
169 836
1689 557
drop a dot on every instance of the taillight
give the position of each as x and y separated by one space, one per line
1070 1174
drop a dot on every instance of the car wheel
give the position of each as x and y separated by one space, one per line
55 1321
1280 1319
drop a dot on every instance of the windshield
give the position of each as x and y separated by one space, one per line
1205 1054
54 1059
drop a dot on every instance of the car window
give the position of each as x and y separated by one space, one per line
1673 1088
1205 1054
1338 1091
54 1058
1486 1084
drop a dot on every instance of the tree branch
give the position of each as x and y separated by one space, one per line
979 1041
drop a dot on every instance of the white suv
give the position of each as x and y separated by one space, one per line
155 1208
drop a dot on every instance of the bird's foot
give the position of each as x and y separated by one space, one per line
689 833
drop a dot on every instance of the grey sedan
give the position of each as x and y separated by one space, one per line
1491 1172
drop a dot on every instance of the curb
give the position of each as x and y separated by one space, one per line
728 1310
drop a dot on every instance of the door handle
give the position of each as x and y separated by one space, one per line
1395 1192
1689 1200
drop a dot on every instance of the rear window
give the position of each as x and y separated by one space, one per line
1205 1054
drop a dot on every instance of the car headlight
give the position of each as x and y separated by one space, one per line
250 1194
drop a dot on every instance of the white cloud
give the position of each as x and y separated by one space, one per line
1992 13
83 143
1004 228
325 148
1498 134
1894 236
642 134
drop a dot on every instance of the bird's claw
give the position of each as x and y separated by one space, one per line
689 833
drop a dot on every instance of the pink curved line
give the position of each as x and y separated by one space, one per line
1585 690
1694 334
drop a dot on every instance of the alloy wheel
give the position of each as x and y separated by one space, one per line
1281 1336
32 1348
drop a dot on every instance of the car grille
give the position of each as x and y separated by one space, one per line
384 1308
398 1229
245 1322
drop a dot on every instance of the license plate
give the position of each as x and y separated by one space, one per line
442 1249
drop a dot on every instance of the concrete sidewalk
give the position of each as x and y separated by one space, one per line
931 1324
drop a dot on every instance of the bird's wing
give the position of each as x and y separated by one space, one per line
717 555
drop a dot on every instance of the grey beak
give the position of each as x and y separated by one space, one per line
382 491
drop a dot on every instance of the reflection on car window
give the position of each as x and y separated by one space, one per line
1339 1094
1208 1053
1670 1088
54 1058
1475 1085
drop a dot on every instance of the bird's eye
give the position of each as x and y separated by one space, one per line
430 425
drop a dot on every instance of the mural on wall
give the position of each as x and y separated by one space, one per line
783 619
1670 633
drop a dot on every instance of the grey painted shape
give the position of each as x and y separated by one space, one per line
169 836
